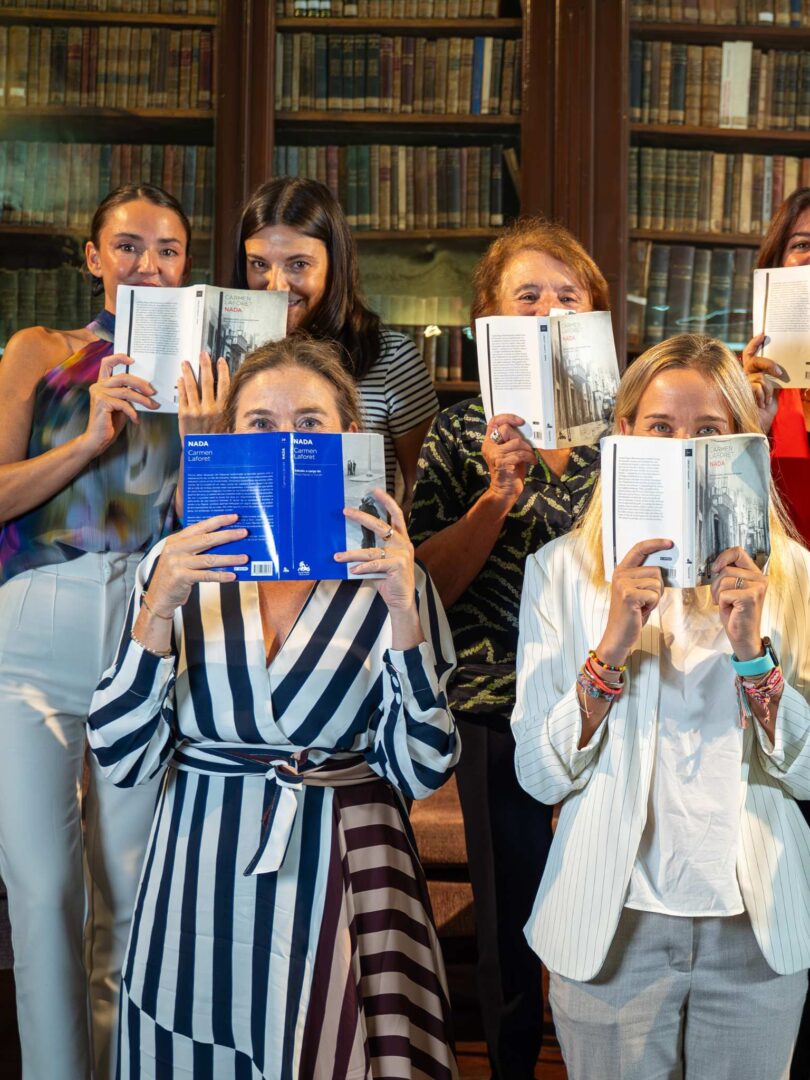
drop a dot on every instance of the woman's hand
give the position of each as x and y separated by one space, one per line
508 455
393 557
199 406
635 593
761 372
112 403
739 591
185 561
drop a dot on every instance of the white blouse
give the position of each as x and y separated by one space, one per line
686 861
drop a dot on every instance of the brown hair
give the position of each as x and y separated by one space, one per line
129 193
716 363
772 250
298 351
311 208
534 234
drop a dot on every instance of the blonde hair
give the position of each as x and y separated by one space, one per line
718 364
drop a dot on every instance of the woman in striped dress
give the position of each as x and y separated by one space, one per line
282 927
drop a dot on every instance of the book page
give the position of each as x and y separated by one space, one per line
153 327
510 351
732 498
782 311
232 323
643 489
586 376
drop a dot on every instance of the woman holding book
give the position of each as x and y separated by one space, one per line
785 412
294 236
294 718
674 726
86 486
484 500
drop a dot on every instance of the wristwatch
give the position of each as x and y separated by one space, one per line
760 665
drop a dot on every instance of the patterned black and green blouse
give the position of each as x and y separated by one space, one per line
452 476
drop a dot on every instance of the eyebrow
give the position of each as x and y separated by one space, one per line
534 285
136 236
666 416
798 232
304 409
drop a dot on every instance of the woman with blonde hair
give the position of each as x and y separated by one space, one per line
674 911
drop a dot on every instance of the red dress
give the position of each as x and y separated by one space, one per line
790 460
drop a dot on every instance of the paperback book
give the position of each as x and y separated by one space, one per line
160 328
559 373
289 490
705 494
782 311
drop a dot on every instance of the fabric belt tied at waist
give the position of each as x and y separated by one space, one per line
283 771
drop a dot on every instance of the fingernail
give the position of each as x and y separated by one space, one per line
767 340
780 372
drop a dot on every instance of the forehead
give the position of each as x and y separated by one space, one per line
284 240
532 267
802 222
287 387
681 389
141 217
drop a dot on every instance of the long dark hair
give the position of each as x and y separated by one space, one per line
772 251
308 206
129 193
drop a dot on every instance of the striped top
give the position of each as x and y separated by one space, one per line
605 785
397 395
227 863
121 501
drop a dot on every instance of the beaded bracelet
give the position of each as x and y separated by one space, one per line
152 652
145 603
608 667
594 685
766 688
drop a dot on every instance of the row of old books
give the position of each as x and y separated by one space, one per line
389 187
106 66
438 325
477 76
703 191
794 13
678 288
390 9
59 298
136 7
732 85
43 183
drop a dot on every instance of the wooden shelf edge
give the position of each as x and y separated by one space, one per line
493 27
46 15
708 33
34 113
698 238
425 234
753 134
462 386
397 118
69 232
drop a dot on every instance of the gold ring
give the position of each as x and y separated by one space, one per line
389 534
382 553
739 583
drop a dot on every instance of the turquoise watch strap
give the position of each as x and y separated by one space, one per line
760 665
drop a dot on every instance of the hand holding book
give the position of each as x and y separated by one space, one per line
199 403
761 374
635 592
508 455
113 400
739 591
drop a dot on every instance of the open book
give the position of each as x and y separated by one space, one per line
704 494
559 373
159 328
782 311
289 489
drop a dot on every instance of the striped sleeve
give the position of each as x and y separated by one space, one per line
132 711
416 742
409 393
546 721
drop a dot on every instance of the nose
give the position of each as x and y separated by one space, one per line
544 303
276 280
147 264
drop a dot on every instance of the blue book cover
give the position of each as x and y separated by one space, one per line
289 489
477 76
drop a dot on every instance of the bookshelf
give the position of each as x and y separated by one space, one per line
700 194
90 99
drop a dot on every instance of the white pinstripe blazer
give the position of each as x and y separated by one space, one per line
605 785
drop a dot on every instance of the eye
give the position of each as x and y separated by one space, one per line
529 298
257 264
659 427
309 423
169 253
299 266
569 299
710 429
126 246
260 423
800 245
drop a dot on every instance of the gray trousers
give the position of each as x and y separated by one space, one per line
679 999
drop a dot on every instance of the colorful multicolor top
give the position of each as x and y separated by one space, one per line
452 476
121 501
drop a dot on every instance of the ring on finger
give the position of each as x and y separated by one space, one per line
739 583
382 553
388 533
496 436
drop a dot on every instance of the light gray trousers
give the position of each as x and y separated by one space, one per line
59 629
679 999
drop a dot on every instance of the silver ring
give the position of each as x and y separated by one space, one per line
389 534
382 553
496 436
739 583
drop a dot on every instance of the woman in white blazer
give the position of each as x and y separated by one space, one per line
674 727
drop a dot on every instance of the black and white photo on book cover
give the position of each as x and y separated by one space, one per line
704 494
160 328
558 373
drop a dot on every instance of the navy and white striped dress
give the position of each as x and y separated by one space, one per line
282 927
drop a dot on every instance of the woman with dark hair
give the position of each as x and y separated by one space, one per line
86 486
293 235
282 927
484 501
785 412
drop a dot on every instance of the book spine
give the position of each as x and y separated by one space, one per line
657 294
